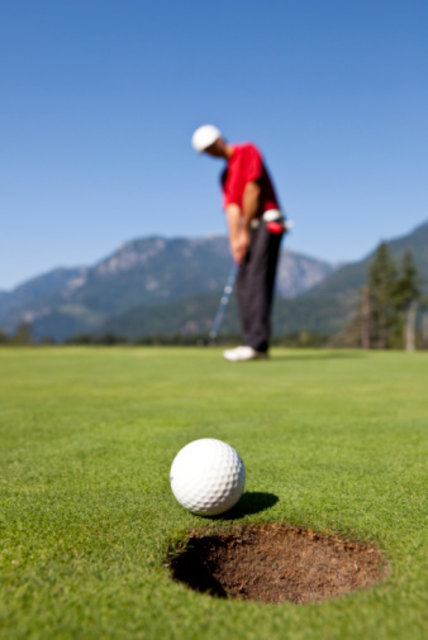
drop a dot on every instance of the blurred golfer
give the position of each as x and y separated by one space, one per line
256 226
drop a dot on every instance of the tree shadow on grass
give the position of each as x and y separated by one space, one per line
251 502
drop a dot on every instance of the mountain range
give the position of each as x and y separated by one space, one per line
147 276
166 286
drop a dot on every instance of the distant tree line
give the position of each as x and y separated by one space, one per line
299 339
389 306
24 337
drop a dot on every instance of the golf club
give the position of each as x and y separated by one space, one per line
223 302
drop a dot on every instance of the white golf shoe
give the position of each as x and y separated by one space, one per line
243 353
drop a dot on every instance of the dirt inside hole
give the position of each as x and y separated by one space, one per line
275 563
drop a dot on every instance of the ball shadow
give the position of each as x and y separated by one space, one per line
250 502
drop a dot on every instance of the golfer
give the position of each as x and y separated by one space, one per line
256 226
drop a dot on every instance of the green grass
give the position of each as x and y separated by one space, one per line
87 436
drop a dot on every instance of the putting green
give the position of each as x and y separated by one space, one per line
332 440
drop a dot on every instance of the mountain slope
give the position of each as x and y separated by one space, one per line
325 308
352 276
297 273
142 273
16 304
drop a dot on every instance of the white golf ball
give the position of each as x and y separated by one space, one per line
207 477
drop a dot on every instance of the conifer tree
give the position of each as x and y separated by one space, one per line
407 294
407 286
382 283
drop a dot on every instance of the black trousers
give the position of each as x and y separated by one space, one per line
255 285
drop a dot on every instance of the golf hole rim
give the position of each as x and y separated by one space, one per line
275 563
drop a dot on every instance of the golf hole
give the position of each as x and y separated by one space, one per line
275 563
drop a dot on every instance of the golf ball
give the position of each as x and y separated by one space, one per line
207 477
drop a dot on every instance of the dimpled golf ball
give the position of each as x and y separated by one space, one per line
207 477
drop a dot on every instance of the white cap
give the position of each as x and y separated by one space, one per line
205 136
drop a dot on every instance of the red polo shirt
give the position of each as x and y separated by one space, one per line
246 165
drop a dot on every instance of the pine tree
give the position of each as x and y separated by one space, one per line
364 317
407 294
382 281
407 286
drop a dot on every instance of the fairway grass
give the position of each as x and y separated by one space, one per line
335 440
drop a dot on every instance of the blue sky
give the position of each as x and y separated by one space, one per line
99 99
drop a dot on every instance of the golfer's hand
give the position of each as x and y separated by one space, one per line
239 245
